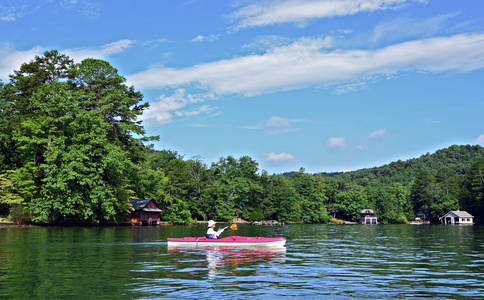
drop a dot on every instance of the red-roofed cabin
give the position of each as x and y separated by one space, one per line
146 211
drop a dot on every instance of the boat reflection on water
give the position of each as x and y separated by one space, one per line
229 260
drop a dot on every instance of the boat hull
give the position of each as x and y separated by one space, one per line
236 241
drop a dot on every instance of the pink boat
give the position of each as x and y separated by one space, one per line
238 241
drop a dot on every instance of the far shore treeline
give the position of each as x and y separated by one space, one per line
72 149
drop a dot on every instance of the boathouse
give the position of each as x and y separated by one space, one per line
421 215
367 216
457 217
146 212
335 212
421 218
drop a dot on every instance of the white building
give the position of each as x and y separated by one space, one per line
367 216
457 217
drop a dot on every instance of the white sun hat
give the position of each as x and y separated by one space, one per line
211 223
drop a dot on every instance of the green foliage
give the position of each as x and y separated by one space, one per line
231 187
8 195
71 129
472 197
311 198
351 202
18 214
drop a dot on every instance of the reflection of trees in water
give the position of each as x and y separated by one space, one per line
234 261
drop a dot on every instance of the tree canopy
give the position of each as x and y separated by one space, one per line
68 138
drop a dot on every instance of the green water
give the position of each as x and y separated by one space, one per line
322 261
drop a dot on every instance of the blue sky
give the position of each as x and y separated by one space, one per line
326 85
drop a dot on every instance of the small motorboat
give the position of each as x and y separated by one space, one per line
236 241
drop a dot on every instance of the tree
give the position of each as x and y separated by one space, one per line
351 202
420 192
72 128
8 196
197 185
284 197
310 190
473 199
236 187
174 203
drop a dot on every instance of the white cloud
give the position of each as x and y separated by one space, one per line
98 52
336 144
275 125
378 133
11 59
14 10
300 11
278 125
195 112
165 107
308 62
480 140
362 147
10 14
410 28
85 8
210 38
277 158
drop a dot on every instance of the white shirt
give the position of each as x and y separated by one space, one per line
216 233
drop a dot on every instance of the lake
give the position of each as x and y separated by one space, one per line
319 261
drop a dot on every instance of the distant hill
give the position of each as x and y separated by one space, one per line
458 158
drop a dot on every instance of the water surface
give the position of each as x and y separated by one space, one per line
322 261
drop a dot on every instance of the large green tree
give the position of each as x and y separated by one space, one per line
312 197
72 128
236 188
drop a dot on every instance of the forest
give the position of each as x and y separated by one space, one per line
72 149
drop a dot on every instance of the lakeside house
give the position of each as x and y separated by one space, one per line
335 212
367 216
457 217
420 218
146 212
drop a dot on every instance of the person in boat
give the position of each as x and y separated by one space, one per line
211 233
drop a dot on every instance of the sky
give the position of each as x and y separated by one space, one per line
324 85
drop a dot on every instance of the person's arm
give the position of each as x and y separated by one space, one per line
219 232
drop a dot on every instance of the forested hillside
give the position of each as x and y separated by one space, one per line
72 150
449 179
456 158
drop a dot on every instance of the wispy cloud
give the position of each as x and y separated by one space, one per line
301 11
378 133
11 59
195 112
408 28
85 8
163 110
279 158
480 140
10 11
101 52
275 125
309 62
202 38
15 10
334 144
